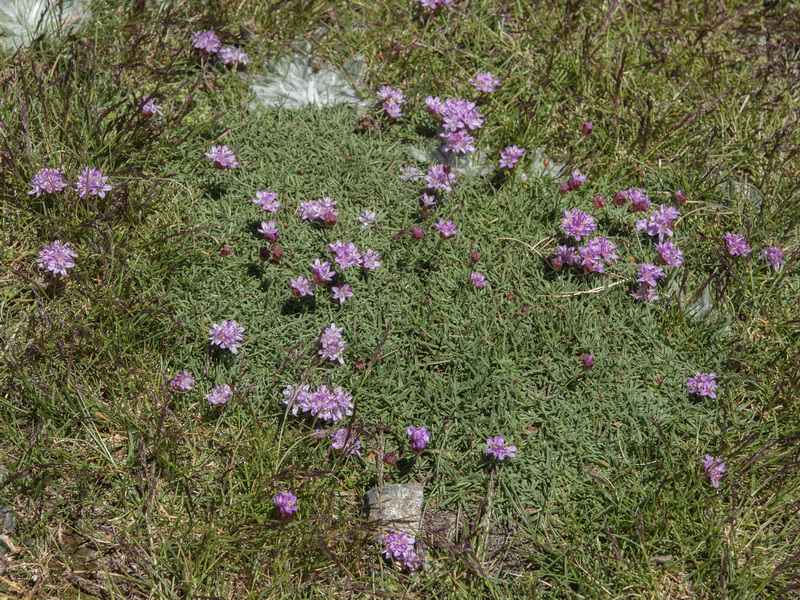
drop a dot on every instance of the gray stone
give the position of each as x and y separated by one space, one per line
399 505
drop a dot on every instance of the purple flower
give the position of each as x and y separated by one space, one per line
598 201
575 180
370 260
270 231
206 40
91 182
586 129
150 108
565 255
649 274
332 343
182 382
396 544
434 4
478 280
392 100
428 201
639 200
774 256
497 447
577 224
645 293
417 234
433 105
703 384
220 394
459 141
510 156
286 503
230 55
56 258
48 181
660 222
227 335
222 157
419 437
736 244
411 174
267 199
298 397
447 229
328 404
301 286
342 293
321 211
620 198
459 114
485 82
439 177
668 254
347 441
321 271
714 468
346 254
367 219
588 362
597 254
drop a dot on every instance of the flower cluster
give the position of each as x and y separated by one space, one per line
321 271
703 384
478 280
48 181
270 231
220 394
485 82
640 202
342 292
345 254
660 222
578 224
300 286
428 201
182 382
774 257
434 4
419 437
510 156
496 446
649 274
345 440
322 211
411 173
575 181
736 244
222 157
267 199
56 258
227 335
439 177
207 41
597 254
367 219
447 229
286 503
150 108
714 469
401 547
668 254
231 55
332 343
325 403
92 182
457 116
393 101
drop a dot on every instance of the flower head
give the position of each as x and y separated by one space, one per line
333 344
392 100
458 114
345 254
774 256
510 156
439 177
267 199
227 335
182 382
48 181
714 468
220 394
207 41
458 142
660 222
575 180
286 503
649 274
411 174
222 157
577 224
588 362
300 286
586 129
432 5
478 280
428 200
370 260
322 211
419 437
417 234
150 108
347 441
496 446
56 258
231 55
270 231
367 219
321 271
597 254
566 255
703 384
92 182
640 202
485 82
736 244
447 229
668 254
342 293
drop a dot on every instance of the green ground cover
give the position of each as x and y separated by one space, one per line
116 486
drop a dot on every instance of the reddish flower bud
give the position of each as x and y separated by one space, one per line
277 253
225 251
598 202
586 129
680 197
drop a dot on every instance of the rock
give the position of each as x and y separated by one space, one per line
8 519
400 505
